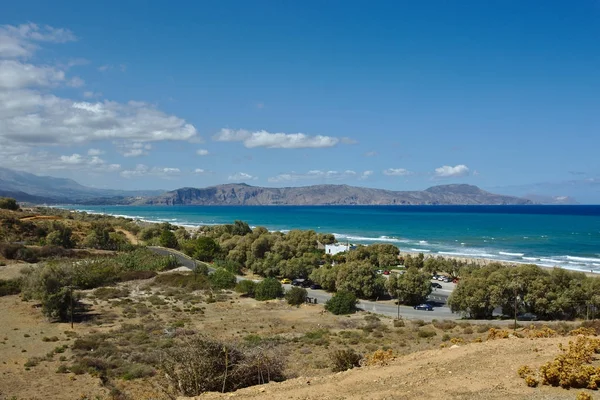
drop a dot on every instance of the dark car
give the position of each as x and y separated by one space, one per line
527 317
297 282
315 286
424 307
306 284
436 285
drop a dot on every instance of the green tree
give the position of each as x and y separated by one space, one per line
50 284
168 239
206 249
240 228
60 235
246 287
411 288
361 279
296 296
342 302
268 289
8 203
222 279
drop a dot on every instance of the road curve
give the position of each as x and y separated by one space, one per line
383 308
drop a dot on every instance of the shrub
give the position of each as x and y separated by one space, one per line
342 302
136 371
8 203
136 275
200 364
572 368
222 279
445 325
379 357
246 287
583 396
185 281
9 287
344 360
426 333
398 323
296 296
268 289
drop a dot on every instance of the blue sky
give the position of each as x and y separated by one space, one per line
389 94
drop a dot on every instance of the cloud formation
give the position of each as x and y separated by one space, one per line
319 175
241 176
447 171
31 116
397 172
141 170
202 152
275 140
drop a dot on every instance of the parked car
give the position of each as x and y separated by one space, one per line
379 271
527 317
315 286
424 307
435 277
436 285
286 281
386 272
297 282
306 284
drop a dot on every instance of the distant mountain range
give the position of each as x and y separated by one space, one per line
44 189
242 194
24 186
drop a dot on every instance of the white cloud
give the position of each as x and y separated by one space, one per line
370 153
76 82
103 68
133 149
78 162
15 75
242 176
30 116
90 94
365 175
20 41
202 152
72 159
397 172
94 152
319 176
144 170
199 171
275 140
447 171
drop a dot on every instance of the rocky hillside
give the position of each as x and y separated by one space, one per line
242 194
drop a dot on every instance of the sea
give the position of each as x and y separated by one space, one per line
564 236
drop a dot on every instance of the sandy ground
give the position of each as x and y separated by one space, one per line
474 371
21 333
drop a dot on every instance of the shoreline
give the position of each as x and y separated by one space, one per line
193 228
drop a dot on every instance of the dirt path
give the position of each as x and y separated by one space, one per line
130 236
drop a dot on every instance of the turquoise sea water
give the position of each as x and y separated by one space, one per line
566 236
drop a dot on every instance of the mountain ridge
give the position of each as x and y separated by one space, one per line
243 194
44 189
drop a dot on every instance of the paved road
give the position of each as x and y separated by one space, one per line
382 307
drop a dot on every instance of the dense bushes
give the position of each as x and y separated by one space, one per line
10 286
268 289
52 283
341 303
410 288
201 365
296 296
8 203
246 287
550 294
344 360
222 279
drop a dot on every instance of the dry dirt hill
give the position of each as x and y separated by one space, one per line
485 370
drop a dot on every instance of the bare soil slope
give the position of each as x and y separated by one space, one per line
474 371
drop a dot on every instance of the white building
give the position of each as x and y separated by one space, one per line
333 249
